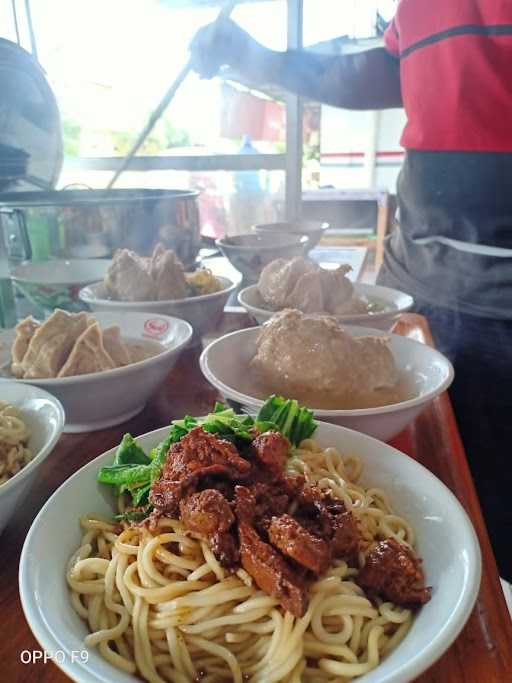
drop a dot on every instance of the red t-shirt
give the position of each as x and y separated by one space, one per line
456 73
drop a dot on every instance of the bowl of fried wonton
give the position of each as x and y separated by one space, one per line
102 369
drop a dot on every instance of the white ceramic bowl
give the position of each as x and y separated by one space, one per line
313 230
446 541
202 312
103 399
428 373
393 302
250 253
56 283
44 416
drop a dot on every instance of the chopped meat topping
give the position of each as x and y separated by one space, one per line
166 494
269 500
271 449
271 572
198 450
346 538
328 518
394 571
280 530
209 515
206 513
245 504
225 548
294 540
197 456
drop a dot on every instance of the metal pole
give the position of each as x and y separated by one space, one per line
225 12
294 122
15 17
33 45
370 160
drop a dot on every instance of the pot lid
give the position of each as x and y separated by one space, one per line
30 128
84 197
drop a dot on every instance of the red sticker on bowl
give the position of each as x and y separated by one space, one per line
156 327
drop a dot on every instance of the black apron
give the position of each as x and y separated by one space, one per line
461 196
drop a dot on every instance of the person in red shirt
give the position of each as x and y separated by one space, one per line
448 65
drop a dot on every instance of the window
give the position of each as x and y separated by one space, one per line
110 63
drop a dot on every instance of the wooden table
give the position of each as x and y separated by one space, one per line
481 654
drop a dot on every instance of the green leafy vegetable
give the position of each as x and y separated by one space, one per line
134 472
140 496
125 475
160 452
132 516
288 417
130 453
222 421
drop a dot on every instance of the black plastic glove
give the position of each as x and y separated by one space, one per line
221 43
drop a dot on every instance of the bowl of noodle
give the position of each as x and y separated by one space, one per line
31 421
152 602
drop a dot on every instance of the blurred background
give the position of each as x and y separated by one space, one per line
109 62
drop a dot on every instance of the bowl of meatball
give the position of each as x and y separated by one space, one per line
159 285
358 377
304 285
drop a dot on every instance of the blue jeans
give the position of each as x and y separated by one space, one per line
481 352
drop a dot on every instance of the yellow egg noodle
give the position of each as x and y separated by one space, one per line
204 281
158 604
14 436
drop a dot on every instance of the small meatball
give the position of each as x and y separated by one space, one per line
294 540
271 448
271 572
206 513
346 538
394 572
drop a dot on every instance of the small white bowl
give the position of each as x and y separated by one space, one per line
225 364
446 541
250 253
202 312
103 399
44 416
394 303
56 283
313 230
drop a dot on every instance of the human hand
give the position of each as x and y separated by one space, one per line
218 44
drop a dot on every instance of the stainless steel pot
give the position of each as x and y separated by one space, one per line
94 223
